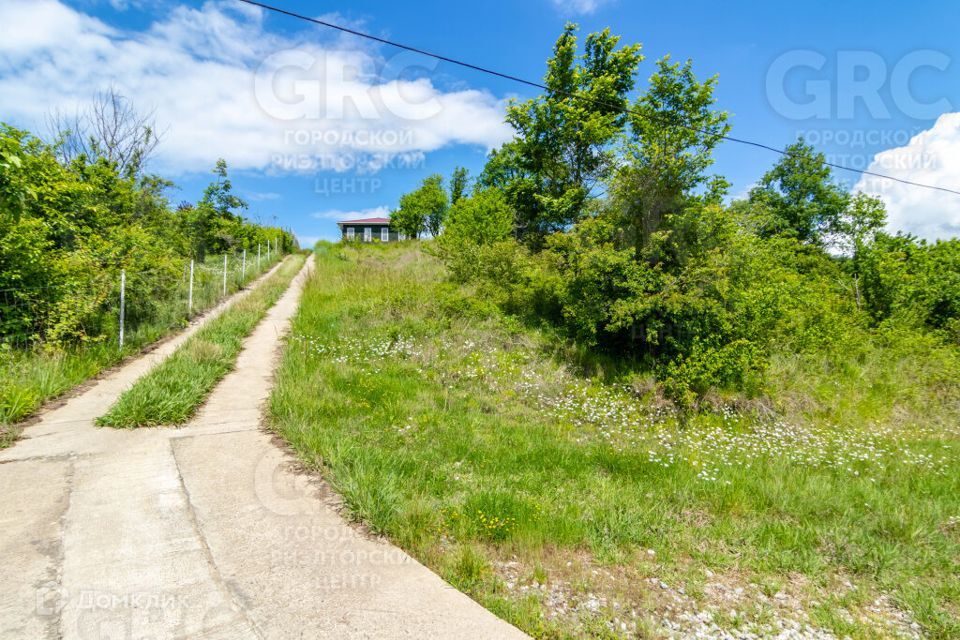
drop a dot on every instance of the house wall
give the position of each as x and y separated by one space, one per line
376 231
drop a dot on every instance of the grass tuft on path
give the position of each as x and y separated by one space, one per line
577 505
31 377
173 391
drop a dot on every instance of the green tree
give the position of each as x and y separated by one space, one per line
423 209
214 221
474 224
433 198
408 221
623 240
858 225
912 281
674 129
69 225
483 218
458 184
799 198
562 148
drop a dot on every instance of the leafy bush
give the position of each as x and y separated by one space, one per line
475 226
424 209
68 228
913 281
738 364
610 227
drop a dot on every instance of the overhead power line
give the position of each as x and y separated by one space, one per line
541 86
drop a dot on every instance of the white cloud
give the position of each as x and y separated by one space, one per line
574 7
19 35
929 158
222 86
337 214
261 196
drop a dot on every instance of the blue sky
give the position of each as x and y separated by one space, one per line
296 109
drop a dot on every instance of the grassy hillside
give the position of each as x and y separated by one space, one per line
568 497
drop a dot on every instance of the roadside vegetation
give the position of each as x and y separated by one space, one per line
608 225
173 391
576 500
609 400
76 211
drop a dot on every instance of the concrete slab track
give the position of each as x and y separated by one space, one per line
206 531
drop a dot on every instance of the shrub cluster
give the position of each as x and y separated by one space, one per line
607 224
67 228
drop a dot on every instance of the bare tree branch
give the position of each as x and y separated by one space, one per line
112 128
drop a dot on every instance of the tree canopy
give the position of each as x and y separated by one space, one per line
562 147
602 217
422 210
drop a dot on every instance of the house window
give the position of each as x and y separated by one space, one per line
351 233
367 234
384 234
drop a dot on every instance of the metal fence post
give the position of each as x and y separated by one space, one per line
190 293
243 275
123 301
268 252
224 274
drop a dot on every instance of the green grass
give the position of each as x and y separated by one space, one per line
173 391
580 506
31 377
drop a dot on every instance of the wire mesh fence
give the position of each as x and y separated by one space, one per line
56 336
124 308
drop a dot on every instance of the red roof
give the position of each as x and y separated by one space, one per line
366 221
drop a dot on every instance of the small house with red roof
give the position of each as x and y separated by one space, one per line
368 230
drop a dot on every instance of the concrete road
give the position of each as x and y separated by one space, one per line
207 531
